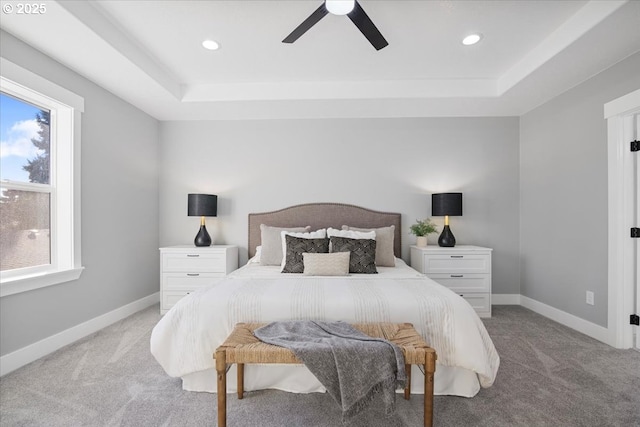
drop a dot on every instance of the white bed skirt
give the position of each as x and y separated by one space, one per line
298 379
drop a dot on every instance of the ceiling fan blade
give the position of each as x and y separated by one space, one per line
306 24
359 17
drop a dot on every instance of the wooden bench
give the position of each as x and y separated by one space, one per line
243 347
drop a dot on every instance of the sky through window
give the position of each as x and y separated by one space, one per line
18 126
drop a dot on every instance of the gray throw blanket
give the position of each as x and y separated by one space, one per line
352 366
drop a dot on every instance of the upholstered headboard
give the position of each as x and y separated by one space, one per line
323 215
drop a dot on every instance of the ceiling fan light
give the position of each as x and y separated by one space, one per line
339 7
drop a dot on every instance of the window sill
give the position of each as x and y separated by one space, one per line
16 285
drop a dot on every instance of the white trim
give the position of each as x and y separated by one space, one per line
622 105
505 299
588 328
35 281
34 82
65 220
35 351
621 264
569 320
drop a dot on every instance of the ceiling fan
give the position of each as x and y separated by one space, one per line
353 10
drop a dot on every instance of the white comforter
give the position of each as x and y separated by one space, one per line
185 339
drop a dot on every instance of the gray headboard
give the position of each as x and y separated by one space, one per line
323 215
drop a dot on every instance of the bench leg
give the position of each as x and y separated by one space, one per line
221 368
240 367
429 369
407 388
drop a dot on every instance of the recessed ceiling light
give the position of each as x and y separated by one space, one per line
210 44
471 39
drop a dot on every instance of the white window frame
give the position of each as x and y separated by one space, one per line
66 111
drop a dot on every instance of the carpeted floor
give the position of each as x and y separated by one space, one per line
549 376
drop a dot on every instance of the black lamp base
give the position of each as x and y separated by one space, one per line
446 239
202 238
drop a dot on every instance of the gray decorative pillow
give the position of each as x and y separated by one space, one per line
296 246
363 253
384 244
271 241
335 264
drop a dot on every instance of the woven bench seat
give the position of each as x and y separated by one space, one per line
243 347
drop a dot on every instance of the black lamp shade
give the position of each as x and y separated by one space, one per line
443 204
203 205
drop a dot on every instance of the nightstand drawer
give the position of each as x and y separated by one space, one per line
170 298
193 262
464 282
481 303
180 281
457 263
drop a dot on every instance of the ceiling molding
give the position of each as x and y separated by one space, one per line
384 89
568 33
89 14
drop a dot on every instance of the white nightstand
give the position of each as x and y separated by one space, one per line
466 270
186 268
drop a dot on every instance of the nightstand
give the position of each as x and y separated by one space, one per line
466 270
187 268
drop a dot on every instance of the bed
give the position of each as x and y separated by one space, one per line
185 339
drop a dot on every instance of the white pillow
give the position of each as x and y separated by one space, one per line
256 257
318 234
351 234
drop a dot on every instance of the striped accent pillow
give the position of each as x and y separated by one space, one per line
335 264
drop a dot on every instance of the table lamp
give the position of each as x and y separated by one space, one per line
202 205
446 204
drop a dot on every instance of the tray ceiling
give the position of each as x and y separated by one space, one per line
150 54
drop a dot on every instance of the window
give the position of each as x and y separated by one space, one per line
25 187
39 181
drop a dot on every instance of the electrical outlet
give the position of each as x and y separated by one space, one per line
590 298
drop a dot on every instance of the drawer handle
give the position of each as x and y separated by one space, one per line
457 275
457 256
193 274
193 255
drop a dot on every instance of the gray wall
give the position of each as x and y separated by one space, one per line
119 213
563 193
383 164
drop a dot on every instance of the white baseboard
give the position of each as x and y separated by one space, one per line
35 351
588 328
505 299
12 361
597 332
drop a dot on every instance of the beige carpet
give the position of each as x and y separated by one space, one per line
549 376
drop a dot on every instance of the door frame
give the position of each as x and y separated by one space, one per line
621 275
